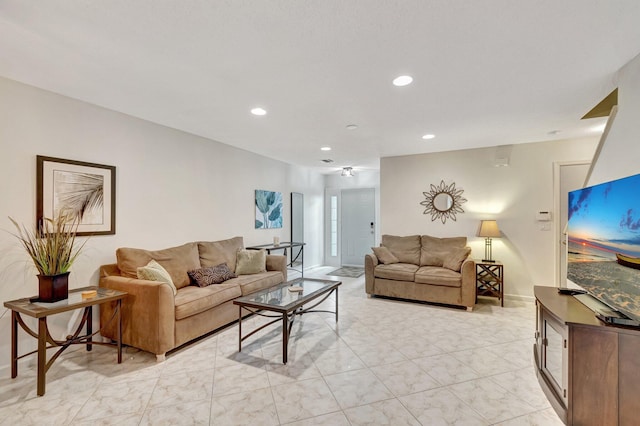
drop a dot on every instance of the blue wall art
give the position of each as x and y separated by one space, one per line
268 209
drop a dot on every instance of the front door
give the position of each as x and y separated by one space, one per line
357 225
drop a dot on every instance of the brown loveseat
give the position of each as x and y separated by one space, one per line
155 320
422 268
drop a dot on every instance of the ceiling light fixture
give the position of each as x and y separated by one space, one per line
325 148
352 126
258 111
347 172
428 136
402 80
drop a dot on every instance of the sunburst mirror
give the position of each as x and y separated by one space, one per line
443 202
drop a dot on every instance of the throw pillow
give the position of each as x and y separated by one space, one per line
384 255
211 275
456 258
251 262
153 271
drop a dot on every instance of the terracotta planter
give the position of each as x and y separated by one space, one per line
52 288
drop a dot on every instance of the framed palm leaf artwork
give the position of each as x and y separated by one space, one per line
268 209
85 191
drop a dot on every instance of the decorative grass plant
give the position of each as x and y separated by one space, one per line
53 247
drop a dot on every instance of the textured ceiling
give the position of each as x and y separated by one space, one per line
486 73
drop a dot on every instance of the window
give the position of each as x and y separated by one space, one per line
334 225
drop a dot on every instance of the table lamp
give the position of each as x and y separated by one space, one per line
488 229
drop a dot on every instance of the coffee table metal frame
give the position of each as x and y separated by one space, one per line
31 307
288 312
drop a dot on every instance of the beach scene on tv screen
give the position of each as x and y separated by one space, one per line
604 242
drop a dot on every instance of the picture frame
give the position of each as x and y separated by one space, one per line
88 190
268 207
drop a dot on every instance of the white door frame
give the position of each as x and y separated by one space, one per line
337 192
559 233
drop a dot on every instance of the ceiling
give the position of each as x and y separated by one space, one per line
486 73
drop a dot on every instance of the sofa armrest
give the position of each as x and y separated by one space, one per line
370 262
468 271
148 313
277 262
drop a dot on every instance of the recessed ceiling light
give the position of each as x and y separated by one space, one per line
352 126
325 148
258 111
428 136
402 80
553 132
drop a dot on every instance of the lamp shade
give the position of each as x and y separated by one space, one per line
489 229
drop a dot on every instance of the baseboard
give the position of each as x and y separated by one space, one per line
520 297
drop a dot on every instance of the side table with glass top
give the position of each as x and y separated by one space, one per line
490 280
31 307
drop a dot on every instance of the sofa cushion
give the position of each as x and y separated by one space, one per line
153 271
438 276
176 260
456 257
406 249
435 250
192 300
384 255
213 253
251 262
255 282
211 275
396 271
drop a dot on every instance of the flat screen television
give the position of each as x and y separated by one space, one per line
603 253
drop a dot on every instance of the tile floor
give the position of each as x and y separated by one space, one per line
384 363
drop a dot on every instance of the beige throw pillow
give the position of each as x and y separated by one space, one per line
456 258
251 262
384 255
155 272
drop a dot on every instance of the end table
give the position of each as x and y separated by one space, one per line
39 310
490 280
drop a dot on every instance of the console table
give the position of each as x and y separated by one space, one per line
589 371
284 246
39 310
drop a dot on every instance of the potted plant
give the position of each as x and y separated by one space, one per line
53 249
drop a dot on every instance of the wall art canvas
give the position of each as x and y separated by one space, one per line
85 190
268 209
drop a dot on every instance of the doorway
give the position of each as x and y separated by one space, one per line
357 225
569 177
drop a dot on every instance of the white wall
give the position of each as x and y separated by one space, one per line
511 195
620 154
172 187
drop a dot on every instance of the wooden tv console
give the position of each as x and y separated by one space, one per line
589 371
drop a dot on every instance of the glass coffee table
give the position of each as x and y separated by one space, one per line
285 305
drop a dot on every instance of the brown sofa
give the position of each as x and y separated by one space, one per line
422 268
155 320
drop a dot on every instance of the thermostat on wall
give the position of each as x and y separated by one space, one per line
543 216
